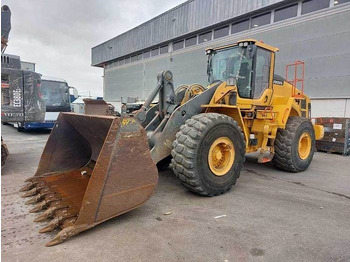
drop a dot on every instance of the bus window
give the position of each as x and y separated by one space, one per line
55 94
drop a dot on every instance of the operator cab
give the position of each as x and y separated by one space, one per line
246 64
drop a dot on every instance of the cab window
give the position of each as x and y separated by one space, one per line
262 72
233 62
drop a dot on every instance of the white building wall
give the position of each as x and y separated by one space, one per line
330 107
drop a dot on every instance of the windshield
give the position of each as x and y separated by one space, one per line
232 62
54 93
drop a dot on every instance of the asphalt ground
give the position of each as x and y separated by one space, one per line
268 216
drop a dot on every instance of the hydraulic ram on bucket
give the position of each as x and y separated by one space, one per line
93 168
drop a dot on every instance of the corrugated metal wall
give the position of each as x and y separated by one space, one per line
181 20
320 39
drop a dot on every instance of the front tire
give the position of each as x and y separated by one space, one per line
295 145
208 153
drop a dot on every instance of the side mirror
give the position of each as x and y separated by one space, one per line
67 97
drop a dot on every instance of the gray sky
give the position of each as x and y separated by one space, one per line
58 35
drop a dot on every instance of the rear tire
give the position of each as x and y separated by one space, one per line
191 159
289 156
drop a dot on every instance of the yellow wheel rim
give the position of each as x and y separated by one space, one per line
304 147
221 156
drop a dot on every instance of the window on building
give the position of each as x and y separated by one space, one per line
164 49
221 32
155 52
191 41
178 45
139 56
338 2
121 62
313 5
127 60
261 20
134 58
286 12
204 37
146 54
240 26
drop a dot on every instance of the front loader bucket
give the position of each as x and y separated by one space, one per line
93 168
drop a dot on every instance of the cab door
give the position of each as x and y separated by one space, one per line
255 88
262 77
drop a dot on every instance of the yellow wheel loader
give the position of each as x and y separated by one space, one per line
95 167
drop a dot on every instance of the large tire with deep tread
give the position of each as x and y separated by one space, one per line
286 145
191 148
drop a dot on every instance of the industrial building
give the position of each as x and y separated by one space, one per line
314 31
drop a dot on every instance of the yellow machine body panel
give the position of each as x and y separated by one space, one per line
262 117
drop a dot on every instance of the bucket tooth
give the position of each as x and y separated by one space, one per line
66 233
49 198
43 194
27 187
69 222
30 193
37 198
33 179
56 205
36 190
58 239
47 214
60 216
39 207
33 200
44 191
30 185
55 223
44 204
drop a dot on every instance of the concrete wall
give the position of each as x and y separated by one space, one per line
321 39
